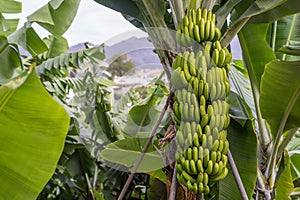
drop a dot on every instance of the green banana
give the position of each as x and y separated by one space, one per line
195 152
213 156
213 18
221 176
200 188
206 91
202 28
203 113
200 87
204 14
191 30
212 31
196 142
215 145
206 157
188 177
209 167
205 179
193 167
218 34
223 135
201 153
204 120
222 56
189 186
187 167
192 113
224 159
200 166
207 30
213 92
197 33
198 15
193 127
180 138
210 142
215 134
206 190
210 111
204 140
200 177
202 101
186 70
207 130
226 147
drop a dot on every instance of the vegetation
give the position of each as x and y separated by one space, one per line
63 137
120 65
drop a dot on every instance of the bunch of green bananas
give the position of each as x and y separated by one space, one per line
198 25
200 110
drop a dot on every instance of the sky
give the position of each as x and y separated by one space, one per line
96 24
93 23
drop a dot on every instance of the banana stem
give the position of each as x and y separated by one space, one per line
208 4
148 142
237 176
177 11
173 186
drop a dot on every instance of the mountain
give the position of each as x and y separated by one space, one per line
139 50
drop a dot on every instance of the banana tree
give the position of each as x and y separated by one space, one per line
264 97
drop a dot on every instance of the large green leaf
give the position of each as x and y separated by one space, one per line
288 7
127 7
29 40
243 12
241 85
32 132
9 60
57 46
56 16
243 146
280 89
10 6
140 113
295 160
284 183
7 26
126 152
288 31
256 51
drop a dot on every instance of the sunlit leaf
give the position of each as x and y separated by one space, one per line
29 40
286 8
243 146
284 183
11 6
56 16
256 51
9 60
7 26
32 132
126 152
280 89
